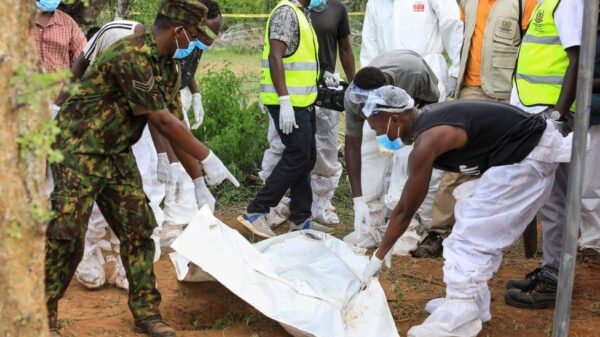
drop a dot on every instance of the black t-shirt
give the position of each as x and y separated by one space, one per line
189 66
330 25
498 134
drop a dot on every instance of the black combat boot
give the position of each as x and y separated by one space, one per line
154 326
523 283
540 294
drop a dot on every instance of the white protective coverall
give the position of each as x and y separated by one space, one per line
325 175
179 209
383 180
427 27
411 72
417 228
590 204
491 214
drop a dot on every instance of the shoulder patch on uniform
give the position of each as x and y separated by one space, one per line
144 86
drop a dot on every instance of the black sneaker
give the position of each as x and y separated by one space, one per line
430 247
524 283
154 326
541 294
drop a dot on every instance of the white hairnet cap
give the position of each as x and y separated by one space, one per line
389 99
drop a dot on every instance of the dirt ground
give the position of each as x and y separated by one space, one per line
209 309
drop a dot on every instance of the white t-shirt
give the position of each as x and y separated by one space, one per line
108 34
568 18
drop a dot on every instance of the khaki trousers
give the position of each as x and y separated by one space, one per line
444 202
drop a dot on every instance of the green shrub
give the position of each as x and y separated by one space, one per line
234 128
144 11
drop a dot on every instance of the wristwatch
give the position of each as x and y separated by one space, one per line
555 115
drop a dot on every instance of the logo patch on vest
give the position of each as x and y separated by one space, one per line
506 26
418 6
539 19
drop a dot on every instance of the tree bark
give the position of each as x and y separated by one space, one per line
122 9
22 179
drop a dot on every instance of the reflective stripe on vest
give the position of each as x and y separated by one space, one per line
542 59
269 88
301 68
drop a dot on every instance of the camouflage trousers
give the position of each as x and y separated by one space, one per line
125 207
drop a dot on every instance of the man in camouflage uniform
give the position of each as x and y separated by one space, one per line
133 82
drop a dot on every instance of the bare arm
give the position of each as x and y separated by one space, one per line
78 70
178 134
352 152
193 86
420 164
191 165
569 85
347 58
276 53
161 144
429 145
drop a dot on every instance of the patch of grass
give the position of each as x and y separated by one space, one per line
223 323
342 200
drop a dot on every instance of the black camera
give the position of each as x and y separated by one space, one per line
331 98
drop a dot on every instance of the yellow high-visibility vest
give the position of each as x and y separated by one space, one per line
542 61
301 67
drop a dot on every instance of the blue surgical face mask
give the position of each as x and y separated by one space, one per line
183 53
388 146
317 5
47 5
201 45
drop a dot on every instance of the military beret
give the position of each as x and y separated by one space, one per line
188 12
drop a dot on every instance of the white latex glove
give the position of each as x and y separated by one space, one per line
287 118
216 172
203 195
451 86
361 213
375 265
177 172
331 80
198 110
54 109
163 170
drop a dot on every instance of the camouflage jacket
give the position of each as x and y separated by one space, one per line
101 122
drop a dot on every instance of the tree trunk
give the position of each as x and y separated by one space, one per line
122 9
22 178
84 15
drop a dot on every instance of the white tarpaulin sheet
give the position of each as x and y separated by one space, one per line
308 281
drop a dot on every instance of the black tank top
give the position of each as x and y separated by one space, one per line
498 134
